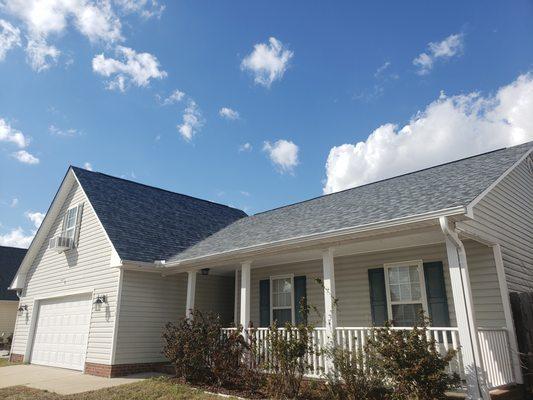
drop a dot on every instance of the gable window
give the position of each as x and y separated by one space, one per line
282 295
406 294
70 222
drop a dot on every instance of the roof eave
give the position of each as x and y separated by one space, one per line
245 252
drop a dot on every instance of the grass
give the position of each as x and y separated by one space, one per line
150 389
4 362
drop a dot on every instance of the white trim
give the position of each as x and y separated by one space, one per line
331 234
422 281
117 314
506 302
293 314
471 205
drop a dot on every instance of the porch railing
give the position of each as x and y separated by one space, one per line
494 349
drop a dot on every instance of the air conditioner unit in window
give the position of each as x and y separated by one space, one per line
60 243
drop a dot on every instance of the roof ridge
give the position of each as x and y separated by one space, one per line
390 178
155 187
13 247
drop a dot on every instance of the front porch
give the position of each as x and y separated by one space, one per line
456 279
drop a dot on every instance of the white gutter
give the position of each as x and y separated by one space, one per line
332 234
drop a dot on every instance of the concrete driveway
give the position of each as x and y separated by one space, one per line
61 381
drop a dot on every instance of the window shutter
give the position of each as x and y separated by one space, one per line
300 296
378 296
264 303
78 224
436 294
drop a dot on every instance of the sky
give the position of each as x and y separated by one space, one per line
252 104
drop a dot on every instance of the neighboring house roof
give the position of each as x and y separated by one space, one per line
145 223
10 260
446 186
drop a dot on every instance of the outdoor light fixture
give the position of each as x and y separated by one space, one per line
22 308
205 271
100 299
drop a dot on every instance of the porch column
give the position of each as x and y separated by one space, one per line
464 313
191 291
245 294
330 308
506 301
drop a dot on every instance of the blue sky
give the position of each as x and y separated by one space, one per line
333 75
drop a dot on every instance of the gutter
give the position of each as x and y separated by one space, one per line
309 239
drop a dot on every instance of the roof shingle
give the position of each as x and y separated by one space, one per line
10 260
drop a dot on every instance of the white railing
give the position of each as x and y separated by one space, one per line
353 340
496 356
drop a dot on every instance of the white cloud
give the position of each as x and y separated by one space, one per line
16 238
381 69
44 19
138 68
88 166
9 38
145 8
14 202
35 217
267 62
175 97
228 113
283 153
451 46
24 157
54 130
245 147
448 129
192 121
245 193
9 134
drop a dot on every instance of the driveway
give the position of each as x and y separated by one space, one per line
61 381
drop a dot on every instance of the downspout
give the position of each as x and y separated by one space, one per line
459 248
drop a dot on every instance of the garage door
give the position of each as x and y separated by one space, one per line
61 332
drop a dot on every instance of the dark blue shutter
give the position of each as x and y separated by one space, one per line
264 303
436 294
378 296
300 298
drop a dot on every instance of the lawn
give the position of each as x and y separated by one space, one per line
150 389
4 362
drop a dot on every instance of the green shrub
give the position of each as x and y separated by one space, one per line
410 363
201 354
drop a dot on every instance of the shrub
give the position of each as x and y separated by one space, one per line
201 354
411 364
354 376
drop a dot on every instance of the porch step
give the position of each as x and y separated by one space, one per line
515 392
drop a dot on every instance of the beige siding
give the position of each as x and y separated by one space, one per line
83 269
351 277
216 294
148 302
8 315
506 213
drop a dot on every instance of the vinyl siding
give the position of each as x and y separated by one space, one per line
8 315
215 293
352 289
85 268
148 302
506 213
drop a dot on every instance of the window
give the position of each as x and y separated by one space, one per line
281 295
406 295
69 222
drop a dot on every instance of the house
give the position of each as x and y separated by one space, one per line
114 260
10 259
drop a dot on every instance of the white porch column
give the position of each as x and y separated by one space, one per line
245 294
330 308
191 292
236 298
464 314
506 301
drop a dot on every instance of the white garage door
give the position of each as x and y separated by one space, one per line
61 332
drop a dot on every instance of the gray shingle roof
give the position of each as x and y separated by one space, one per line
145 223
445 186
10 260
